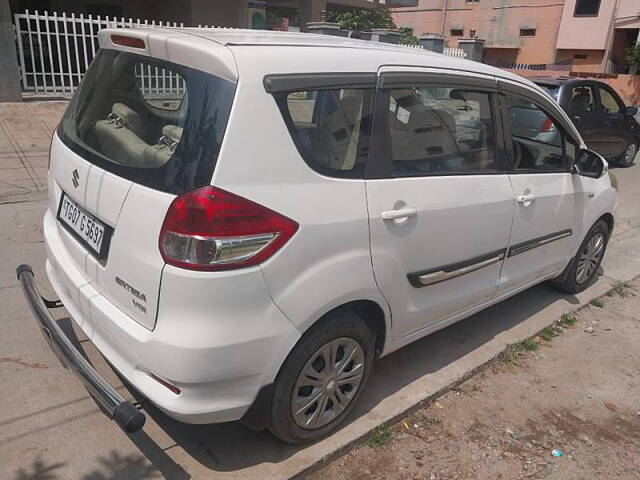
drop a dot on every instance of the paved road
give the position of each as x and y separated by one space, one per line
50 428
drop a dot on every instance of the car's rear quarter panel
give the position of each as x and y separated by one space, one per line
327 263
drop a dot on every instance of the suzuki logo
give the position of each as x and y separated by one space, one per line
75 178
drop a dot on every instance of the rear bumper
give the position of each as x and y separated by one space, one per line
116 407
218 349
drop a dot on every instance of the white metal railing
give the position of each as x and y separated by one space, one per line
454 52
55 50
449 51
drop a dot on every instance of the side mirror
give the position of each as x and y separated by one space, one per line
632 111
590 164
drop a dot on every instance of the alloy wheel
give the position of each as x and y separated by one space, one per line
590 258
630 153
327 383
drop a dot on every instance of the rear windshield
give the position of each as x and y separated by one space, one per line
150 121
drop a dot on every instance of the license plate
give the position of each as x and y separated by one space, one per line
90 231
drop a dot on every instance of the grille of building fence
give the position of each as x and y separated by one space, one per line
449 51
55 50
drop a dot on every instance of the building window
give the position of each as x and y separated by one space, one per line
527 32
457 32
587 8
472 1
581 56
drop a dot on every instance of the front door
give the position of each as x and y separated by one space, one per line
581 105
614 122
547 195
440 208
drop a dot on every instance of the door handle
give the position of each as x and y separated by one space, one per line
526 200
399 214
577 118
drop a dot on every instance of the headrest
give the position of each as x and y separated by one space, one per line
127 117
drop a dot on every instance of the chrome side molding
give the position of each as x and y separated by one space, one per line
454 270
538 242
441 276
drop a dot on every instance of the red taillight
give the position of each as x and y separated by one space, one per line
125 41
212 229
547 126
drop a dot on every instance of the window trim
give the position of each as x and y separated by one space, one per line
296 82
566 137
380 162
575 10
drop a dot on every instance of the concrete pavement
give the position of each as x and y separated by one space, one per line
51 428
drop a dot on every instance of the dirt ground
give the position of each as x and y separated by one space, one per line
575 388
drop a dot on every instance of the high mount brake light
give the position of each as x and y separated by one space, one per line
212 229
125 41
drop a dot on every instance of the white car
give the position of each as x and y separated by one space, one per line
243 221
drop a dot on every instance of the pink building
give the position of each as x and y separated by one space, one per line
596 33
579 32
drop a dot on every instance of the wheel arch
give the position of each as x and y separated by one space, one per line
370 311
609 220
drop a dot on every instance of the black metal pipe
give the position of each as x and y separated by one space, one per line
118 409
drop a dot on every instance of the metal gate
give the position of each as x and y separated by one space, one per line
55 50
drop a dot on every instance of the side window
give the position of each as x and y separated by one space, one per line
330 128
439 131
608 102
582 99
537 141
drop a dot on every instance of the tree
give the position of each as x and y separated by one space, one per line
362 20
407 37
633 55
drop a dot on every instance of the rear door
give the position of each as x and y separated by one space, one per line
440 205
138 132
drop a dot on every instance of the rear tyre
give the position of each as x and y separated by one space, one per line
629 155
322 378
582 268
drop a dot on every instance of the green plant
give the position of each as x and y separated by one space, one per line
407 37
618 288
362 20
597 302
632 56
547 333
511 354
379 437
567 320
528 344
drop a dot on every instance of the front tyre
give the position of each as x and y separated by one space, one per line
629 155
322 378
582 269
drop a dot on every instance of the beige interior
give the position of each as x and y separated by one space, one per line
118 137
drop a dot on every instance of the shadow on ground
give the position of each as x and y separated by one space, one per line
217 446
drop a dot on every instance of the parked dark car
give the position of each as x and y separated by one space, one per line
606 124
